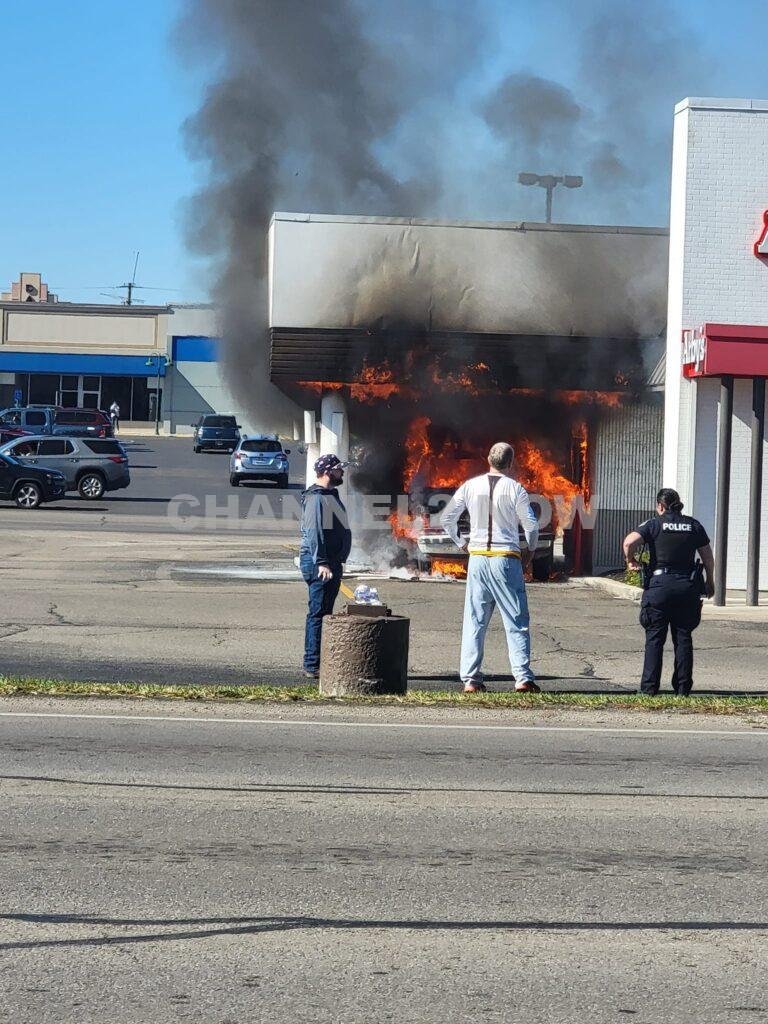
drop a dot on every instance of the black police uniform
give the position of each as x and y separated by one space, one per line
673 597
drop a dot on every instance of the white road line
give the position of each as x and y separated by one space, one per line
308 723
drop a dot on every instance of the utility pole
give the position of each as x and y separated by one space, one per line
130 285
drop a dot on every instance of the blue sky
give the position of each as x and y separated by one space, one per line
93 166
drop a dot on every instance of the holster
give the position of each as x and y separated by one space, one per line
646 573
697 577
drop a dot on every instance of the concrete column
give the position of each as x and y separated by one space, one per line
334 433
722 502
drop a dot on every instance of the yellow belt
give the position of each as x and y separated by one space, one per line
495 554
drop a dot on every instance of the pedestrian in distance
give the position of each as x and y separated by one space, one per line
114 415
326 541
674 586
497 505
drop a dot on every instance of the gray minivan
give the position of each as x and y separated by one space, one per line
91 465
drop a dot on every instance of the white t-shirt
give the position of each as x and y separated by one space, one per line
114 409
510 509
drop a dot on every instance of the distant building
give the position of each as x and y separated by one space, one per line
155 361
29 288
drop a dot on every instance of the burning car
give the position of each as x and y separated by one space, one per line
440 554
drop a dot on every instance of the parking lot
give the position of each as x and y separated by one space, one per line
166 468
123 589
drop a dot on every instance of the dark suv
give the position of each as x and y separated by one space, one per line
27 485
216 433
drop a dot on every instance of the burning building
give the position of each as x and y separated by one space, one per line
419 343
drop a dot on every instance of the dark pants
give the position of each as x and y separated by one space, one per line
322 595
674 602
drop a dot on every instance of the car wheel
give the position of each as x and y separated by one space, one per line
282 480
196 449
234 480
91 486
28 495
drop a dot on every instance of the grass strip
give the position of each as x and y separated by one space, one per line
737 705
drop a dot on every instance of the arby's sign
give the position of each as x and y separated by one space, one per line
761 245
694 351
713 350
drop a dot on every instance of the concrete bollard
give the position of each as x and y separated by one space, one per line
363 654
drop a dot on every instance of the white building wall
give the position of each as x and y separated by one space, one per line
719 193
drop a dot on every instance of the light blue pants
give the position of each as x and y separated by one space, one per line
495 582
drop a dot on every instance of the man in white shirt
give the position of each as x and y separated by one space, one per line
498 505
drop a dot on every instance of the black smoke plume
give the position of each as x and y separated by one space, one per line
296 118
369 107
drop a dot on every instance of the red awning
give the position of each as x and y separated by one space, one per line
714 350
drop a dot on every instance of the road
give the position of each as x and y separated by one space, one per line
163 863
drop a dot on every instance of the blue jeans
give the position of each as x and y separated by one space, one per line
322 595
495 583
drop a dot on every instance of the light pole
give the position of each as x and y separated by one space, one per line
155 361
550 183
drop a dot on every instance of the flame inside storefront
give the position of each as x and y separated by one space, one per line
421 428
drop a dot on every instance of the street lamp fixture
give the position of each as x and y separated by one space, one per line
550 183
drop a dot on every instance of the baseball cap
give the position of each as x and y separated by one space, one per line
328 462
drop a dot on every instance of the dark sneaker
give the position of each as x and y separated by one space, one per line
475 688
529 687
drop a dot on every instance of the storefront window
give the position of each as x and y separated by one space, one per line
43 388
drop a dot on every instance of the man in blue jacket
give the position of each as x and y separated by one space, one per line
326 541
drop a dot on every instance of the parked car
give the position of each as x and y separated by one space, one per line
259 457
29 486
434 542
89 465
51 419
216 433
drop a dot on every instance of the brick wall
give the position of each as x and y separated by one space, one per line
719 193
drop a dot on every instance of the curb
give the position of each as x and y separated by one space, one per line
623 591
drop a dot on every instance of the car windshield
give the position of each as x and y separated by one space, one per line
219 421
261 446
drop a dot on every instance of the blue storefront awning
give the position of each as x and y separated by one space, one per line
76 363
194 348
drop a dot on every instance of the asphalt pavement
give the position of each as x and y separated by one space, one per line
167 477
223 864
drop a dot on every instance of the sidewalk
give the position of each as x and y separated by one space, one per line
136 429
735 609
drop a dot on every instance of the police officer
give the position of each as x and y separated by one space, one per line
674 587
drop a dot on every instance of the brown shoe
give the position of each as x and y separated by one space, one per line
529 687
475 688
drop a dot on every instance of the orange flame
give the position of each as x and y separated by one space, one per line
378 384
448 466
448 568
405 526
